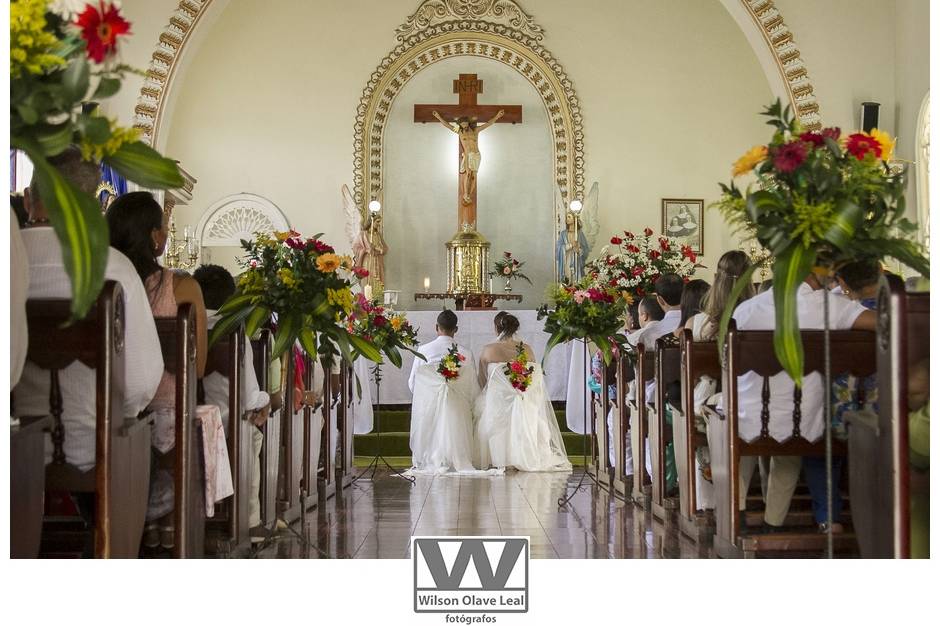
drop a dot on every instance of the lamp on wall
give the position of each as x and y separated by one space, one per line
575 206
181 254
375 206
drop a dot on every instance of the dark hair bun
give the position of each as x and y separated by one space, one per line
508 325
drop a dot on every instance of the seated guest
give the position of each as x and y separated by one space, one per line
758 313
143 362
668 289
217 286
19 291
693 299
857 281
138 228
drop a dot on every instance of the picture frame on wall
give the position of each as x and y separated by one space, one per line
684 219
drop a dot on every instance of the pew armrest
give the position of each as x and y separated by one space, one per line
864 418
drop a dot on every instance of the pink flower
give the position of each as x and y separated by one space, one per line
461 357
517 367
648 231
507 270
580 295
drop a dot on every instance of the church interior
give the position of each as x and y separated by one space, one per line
726 356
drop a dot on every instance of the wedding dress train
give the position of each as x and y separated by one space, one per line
442 422
518 429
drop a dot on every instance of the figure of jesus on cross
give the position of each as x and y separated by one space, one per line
462 119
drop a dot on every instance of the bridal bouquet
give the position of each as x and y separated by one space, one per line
823 199
62 56
508 267
306 285
518 371
450 365
632 263
587 310
387 330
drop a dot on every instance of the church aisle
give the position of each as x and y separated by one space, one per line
377 519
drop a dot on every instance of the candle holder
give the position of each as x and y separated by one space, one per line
180 254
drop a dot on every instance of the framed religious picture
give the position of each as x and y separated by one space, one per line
684 219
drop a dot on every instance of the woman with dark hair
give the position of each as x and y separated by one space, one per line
138 228
693 296
516 426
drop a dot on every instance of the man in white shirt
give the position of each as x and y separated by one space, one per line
669 297
758 313
435 350
143 358
217 285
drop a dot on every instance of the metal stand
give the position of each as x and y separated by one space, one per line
564 500
827 416
273 533
379 458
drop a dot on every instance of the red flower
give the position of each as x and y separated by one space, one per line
648 231
654 254
789 156
860 144
654 278
379 310
517 367
664 244
319 246
640 292
461 357
628 234
101 28
639 269
616 241
832 132
611 260
816 139
295 243
380 320
685 279
361 272
613 282
632 248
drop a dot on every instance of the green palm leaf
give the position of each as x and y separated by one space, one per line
143 165
790 269
739 285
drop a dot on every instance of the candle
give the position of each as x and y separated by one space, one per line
427 284
368 292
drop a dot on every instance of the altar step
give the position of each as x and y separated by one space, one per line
395 424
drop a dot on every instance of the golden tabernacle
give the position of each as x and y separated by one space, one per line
467 261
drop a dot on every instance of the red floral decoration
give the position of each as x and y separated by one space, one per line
101 26
860 145
789 156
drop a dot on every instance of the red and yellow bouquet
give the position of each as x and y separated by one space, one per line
450 365
518 371
383 328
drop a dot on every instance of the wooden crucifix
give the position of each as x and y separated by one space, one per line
462 118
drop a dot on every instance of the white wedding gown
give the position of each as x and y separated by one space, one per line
442 421
518 429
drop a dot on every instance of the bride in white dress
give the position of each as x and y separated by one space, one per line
515 428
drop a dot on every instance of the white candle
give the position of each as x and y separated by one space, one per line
427 284
368 292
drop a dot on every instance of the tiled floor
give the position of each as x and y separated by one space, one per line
376 519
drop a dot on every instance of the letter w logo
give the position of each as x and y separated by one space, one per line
470 549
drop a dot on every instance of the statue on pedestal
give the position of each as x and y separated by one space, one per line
365 238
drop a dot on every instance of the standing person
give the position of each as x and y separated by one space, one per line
138 228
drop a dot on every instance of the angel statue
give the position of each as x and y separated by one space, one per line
365 237
576 236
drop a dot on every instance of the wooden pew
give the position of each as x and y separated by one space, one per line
27 484
270 449
344 469
227 357
879 486
851 352
661 432
600 407
295 494
324 473
697 359
178 342
644 371
121 475
622 482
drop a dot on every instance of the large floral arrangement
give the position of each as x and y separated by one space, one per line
449 366
509 267
631 264
307 286
822 199
518 371
387 330
587 311
63 55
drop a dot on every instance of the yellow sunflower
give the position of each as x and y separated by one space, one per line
328 262
886 142
749 160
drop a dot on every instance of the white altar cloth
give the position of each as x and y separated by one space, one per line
475 330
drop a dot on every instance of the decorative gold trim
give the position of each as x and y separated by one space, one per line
426 39
790 64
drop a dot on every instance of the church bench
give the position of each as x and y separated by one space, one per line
621 482
270 447
697 359
27 484
178 343
851 352
660 430
644 371
324 472
345 417
120 479
600 407
297 480
881 487
227 357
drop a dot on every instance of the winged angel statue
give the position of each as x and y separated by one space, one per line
365 236
577 232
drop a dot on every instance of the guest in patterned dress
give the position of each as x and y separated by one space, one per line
138 228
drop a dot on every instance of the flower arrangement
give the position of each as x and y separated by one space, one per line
631 264
62 56
507 267
307 286
518 371
387 330
450 365
822 199
588 311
